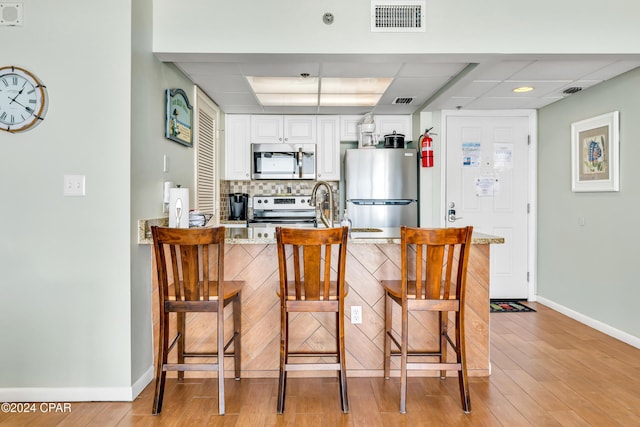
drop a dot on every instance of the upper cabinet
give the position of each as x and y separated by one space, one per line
349 128
328 148
237 157
325 131
385 124
388 124
289 129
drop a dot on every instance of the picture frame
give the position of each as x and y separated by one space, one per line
595 148
178 117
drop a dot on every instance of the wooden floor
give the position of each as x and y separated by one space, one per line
548 370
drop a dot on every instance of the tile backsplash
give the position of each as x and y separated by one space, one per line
268 188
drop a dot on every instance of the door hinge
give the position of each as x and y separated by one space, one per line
528 208
528 139
527 277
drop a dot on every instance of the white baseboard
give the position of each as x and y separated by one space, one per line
77 394
595 324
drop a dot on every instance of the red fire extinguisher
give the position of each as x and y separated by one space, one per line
427 150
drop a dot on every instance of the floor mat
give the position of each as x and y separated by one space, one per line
509 307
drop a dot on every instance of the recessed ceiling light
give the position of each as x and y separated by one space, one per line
523 89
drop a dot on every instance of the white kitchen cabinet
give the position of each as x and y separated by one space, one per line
386 124
291 129
237 147
328 148
349 128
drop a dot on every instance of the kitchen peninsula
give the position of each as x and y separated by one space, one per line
251 255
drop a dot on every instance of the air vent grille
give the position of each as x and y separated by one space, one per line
572 90
397 16
404 100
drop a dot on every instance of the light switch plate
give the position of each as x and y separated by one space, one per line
74 185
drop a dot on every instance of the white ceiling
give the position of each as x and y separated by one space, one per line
477 82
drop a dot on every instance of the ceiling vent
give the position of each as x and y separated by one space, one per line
571 90
404 101
393 16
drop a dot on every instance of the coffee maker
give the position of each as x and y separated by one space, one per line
367 137
238 206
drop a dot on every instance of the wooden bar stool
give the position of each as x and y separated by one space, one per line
434 281
309 284
190 268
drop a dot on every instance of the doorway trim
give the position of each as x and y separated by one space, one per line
532 176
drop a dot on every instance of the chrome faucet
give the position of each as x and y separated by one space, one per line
328 222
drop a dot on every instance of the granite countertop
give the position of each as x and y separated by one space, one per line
260 234
266 235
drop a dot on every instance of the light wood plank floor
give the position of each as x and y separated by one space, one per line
548 370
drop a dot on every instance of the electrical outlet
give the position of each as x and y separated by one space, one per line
356 314
74 185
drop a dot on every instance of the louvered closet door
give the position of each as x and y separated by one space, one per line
206 142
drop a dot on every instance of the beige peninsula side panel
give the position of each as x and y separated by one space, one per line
256 264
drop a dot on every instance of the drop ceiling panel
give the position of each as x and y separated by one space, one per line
559 70
501 70
455 102
419 87
540 88
476 88
612 70
499 103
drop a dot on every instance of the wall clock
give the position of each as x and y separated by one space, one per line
23 99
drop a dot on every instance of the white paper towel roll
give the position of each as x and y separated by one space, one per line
179 207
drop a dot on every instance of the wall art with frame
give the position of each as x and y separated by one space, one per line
179 117
595 149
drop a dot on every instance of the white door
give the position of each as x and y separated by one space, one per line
487 170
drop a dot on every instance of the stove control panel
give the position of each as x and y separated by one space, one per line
281 202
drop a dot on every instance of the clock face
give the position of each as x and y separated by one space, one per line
23 100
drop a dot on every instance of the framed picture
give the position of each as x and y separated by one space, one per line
595 154
179 117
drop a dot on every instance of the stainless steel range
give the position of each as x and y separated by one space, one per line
284 210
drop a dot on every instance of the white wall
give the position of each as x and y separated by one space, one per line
453 26
590 269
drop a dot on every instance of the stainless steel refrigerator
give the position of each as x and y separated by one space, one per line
382 187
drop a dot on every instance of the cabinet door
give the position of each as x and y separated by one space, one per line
300 129
266 129
328 148
237 147
349 128
386 124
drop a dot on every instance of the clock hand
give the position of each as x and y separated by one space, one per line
16 97
29 110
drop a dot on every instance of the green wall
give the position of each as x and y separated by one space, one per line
590 269
75 312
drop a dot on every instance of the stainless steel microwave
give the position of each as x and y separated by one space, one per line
283 161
